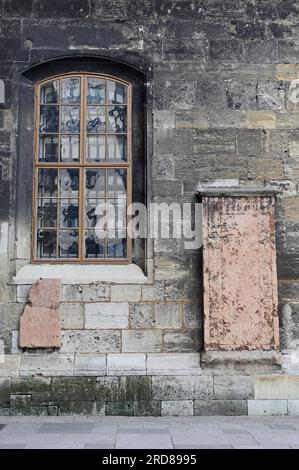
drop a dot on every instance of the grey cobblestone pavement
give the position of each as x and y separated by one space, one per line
216 432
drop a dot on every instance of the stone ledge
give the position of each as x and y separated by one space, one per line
81 274
236 190
249 362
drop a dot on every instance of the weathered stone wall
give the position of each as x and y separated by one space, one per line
221 98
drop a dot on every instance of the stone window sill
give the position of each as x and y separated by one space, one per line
82 274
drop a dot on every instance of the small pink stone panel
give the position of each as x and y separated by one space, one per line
40 325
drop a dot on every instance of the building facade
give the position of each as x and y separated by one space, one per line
190 104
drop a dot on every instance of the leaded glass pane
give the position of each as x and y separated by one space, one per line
117 248
70 119
68 244
117 147
70 148
95 119
49 118
95 148
117 119
117 93
70 90
96 91
94 245
47 213
49 93
69 182
48 148
47 182
117 183
95 183
46 244
69 213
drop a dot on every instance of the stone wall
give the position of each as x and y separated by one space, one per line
221 99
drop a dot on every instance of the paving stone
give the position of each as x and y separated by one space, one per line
65 428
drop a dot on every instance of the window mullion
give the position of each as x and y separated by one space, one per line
81 194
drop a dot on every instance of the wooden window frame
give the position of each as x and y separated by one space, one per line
81 165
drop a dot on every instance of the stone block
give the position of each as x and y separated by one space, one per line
47 365
181 341
147 408
182 388
90 364
260 119
192 315
5 390
293 407
168 315
22 293
267 407
177 408
220 407
279 387
76 389
163 168
125 293
141 341
135 388
72 316
90 341
20 405
45 293
94 292
10 366
233 387
249 143
107 389
164 119
153 292
288 119
107 315
40 328
126 364
142 315
30 386
120 408
173 364
293 94
287 71
85 408
271 95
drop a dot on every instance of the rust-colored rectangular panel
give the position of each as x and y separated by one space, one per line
240 280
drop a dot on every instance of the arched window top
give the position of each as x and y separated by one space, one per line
82 168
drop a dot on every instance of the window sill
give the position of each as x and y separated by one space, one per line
81 274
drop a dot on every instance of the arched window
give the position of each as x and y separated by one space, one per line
82 169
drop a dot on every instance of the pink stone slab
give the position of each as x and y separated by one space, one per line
40 328
45 293
240 279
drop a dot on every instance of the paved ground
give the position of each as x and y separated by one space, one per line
149 433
